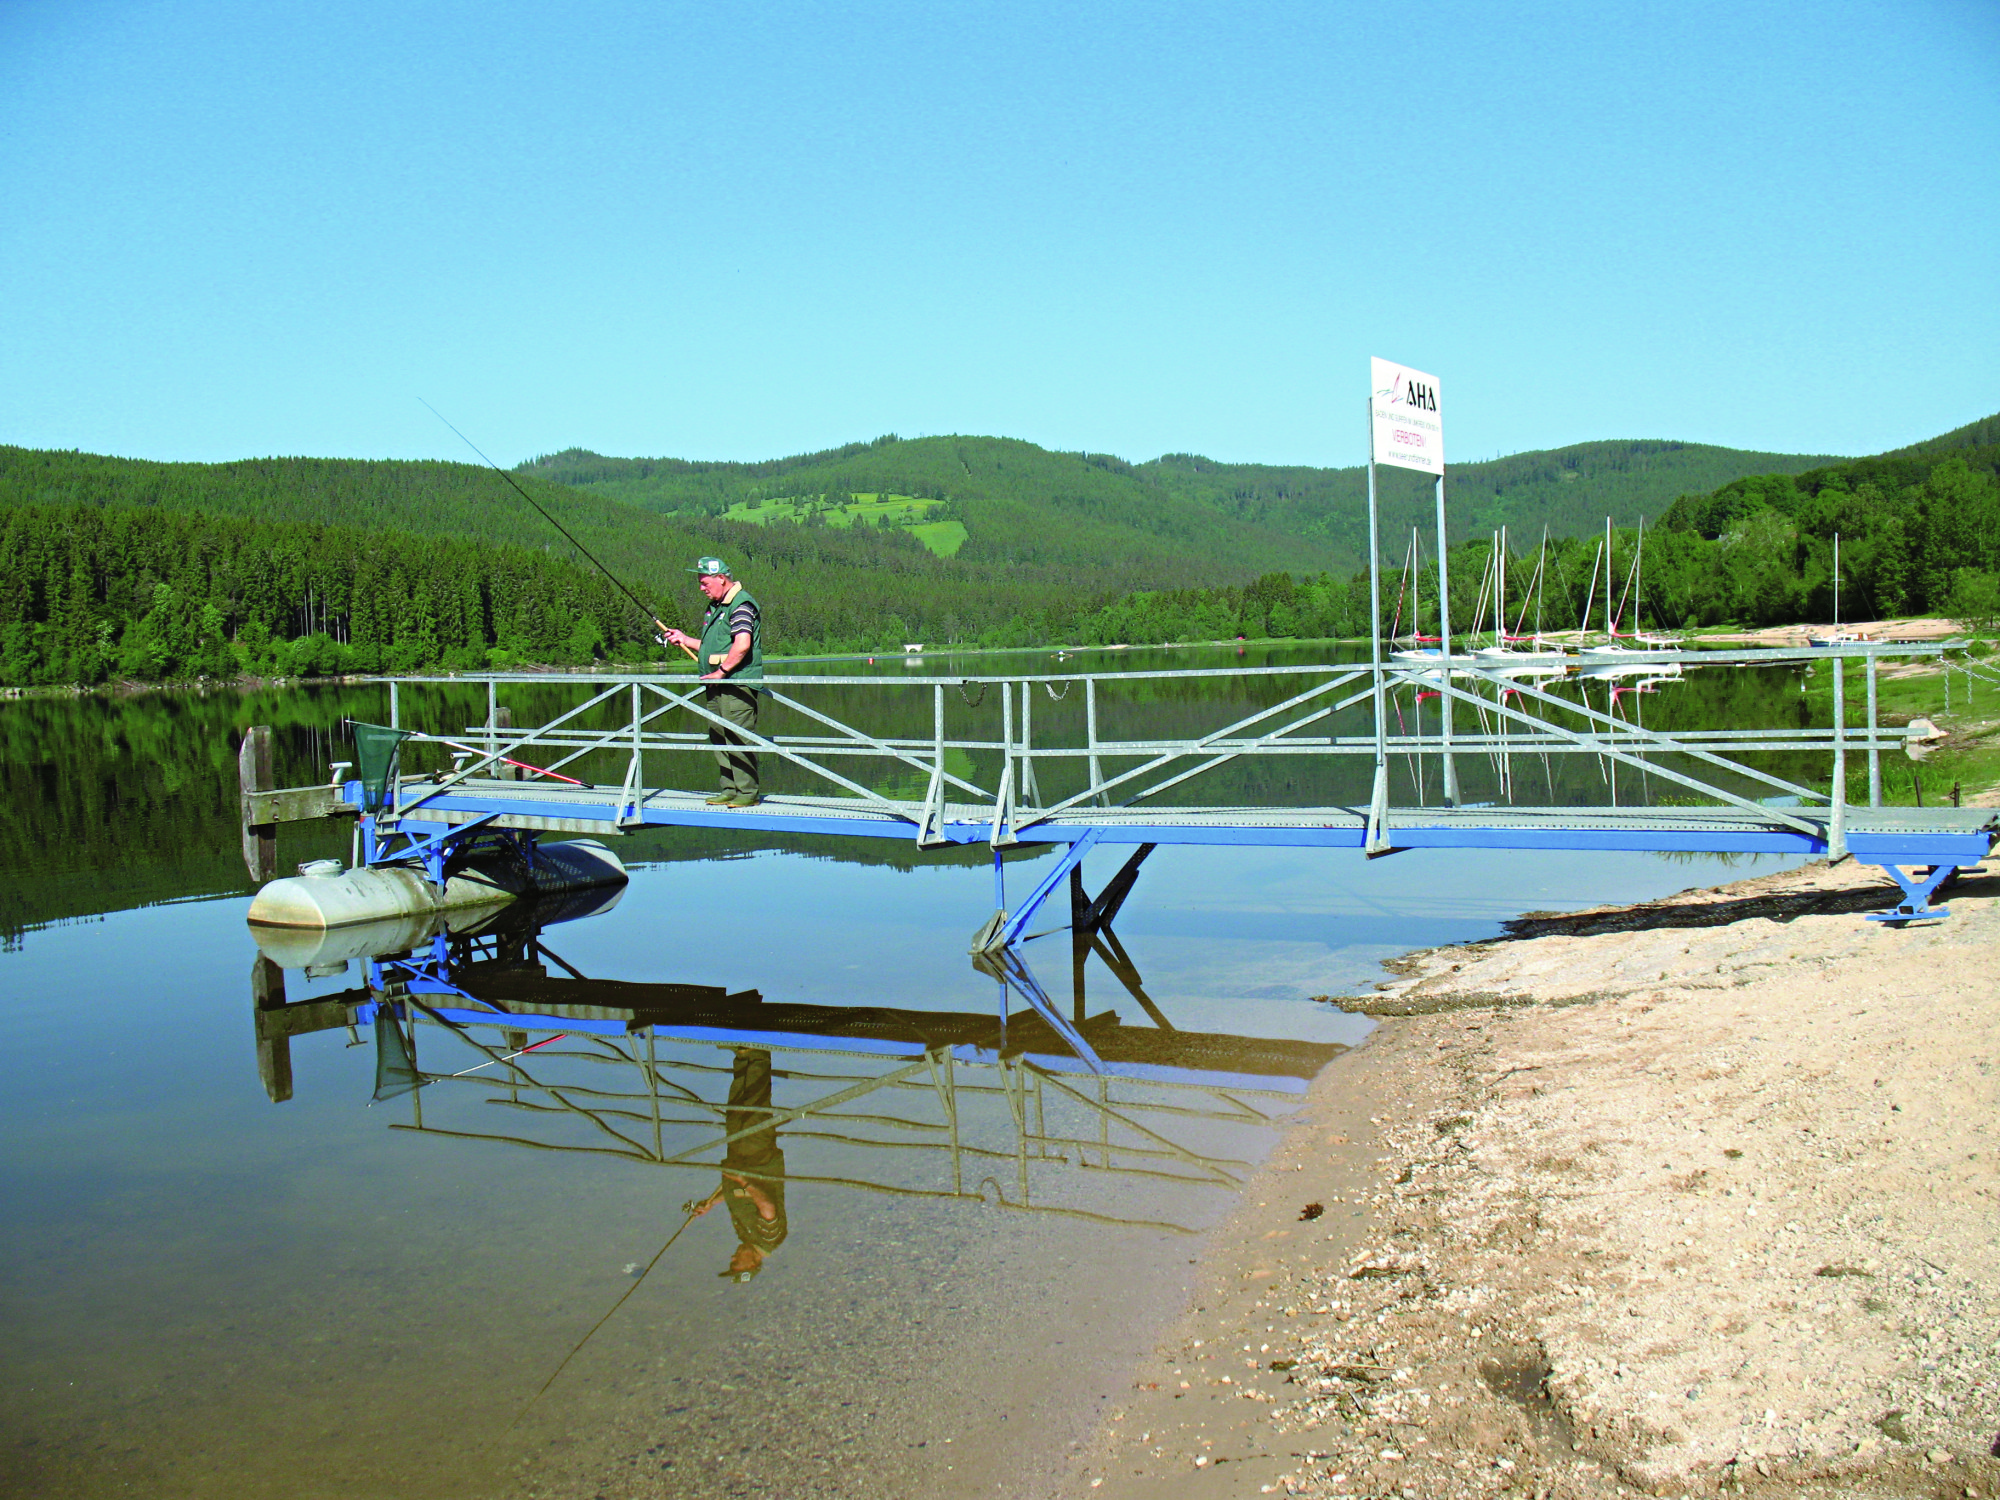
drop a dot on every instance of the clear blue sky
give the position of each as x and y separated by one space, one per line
738 231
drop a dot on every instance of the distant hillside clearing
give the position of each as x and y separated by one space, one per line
905 511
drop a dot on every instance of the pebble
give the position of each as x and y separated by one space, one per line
1939 1455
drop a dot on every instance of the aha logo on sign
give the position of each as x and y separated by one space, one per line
1412 393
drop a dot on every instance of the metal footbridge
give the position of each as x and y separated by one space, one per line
1467 751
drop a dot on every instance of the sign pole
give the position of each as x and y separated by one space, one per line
1444 651
1405 431
1378 803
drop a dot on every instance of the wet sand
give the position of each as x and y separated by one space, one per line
1688 1198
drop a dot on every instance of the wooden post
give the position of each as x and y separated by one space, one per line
274 1052
253 774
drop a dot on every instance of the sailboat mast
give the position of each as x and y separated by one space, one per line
1499 624
1541 582
1836 580
1638 577
1610 625
1590 598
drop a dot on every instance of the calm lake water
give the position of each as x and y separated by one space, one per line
206 1293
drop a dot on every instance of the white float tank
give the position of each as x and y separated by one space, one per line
325 895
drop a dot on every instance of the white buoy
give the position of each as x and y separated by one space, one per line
325 895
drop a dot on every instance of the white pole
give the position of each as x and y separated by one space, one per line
1444 652
1378 802
1610 625
1836 835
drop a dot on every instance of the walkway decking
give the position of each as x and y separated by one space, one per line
1876 835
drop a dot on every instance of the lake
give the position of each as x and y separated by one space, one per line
357 1291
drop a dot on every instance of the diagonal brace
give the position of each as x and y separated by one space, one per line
1010 930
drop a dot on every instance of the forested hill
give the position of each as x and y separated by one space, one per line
1985 433
118 567
1020 505
1919 533
122 568
1012 496
1570 490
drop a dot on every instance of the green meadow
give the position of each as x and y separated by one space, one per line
906 512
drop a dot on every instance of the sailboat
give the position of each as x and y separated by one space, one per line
1540 659
1835 636
1643 645
1423 650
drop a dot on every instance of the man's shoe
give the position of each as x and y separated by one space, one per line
722 799
745 799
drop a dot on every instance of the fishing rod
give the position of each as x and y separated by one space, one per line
694 1210
658 623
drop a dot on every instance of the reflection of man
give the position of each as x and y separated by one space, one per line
729 655
756 1203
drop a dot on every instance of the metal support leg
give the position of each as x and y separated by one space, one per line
1030 793
1104 910
1011 926
1104 942
1444 653
1874 751
1079 941
1378 802
930 822
1917 893
1836 833
1013 972
1003 802
1090 730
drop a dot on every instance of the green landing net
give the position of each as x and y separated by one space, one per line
395 1068
379 750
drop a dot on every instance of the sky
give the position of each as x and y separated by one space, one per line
232 230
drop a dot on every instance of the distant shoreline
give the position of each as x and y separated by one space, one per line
1912 628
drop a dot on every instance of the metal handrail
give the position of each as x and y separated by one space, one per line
1017 804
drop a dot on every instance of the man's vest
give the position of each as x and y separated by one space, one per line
716 640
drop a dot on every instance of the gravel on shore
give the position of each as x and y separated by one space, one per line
1693 1197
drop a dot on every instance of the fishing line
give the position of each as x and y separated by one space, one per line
538 770
545 1042
694 1211
657 622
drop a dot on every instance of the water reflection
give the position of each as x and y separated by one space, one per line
1033 1111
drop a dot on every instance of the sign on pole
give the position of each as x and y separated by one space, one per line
1405 413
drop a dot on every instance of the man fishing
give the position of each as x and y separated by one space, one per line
729 654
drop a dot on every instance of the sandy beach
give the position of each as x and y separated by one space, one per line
1688 1198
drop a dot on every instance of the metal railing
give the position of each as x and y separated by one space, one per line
1518 715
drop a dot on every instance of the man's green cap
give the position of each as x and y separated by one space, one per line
711 565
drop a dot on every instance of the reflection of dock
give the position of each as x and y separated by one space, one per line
1010 1106
747 1019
